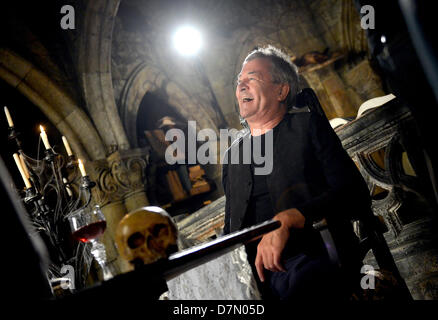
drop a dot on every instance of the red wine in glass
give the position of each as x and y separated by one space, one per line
86 225
90 231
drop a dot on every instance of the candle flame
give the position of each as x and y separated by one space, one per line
41 128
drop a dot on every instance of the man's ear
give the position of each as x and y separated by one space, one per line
283 92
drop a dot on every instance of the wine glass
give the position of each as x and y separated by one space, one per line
87 224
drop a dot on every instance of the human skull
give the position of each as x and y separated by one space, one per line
146 235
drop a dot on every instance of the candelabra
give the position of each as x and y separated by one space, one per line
54 192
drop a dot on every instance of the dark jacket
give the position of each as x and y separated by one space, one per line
311 172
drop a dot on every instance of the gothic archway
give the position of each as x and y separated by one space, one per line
58 106
146 79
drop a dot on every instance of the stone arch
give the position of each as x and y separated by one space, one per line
58 106
94 66
145 78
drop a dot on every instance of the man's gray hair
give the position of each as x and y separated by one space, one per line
283 70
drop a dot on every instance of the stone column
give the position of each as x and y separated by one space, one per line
120 189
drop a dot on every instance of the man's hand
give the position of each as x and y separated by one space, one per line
272 244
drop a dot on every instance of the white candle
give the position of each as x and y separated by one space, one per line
20 168
44 138
67 187
67 146
81 167
23 164
8 117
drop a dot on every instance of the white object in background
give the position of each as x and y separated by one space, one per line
67 146
337 122
8 117
82 168
374 103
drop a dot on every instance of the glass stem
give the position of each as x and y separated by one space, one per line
99 253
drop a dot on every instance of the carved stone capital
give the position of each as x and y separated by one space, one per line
120 188
121 175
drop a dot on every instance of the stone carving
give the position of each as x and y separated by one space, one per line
120 188
121 175
202 225
415 251
390 128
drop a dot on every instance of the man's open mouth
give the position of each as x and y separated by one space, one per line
247 99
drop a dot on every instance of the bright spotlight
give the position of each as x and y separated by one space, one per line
187 40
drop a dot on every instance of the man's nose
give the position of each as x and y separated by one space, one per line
242 86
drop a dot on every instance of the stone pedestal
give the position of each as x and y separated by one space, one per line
415 253
407 206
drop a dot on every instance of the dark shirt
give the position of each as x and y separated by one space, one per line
260 209
260 205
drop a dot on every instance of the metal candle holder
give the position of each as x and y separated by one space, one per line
49 205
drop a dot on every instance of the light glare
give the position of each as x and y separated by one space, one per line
187 40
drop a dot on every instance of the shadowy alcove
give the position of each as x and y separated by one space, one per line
152 108
181 188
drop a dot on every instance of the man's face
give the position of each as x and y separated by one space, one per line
256 93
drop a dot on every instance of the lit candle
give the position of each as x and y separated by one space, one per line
8 117
81 167
44 138
67 146
23 164
20 168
